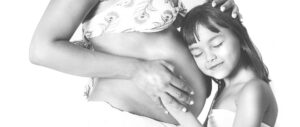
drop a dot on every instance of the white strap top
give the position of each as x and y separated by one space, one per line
223 118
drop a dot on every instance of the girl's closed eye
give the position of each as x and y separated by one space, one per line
196 52
217 43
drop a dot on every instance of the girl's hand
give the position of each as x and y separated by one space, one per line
158 81
227 4
184 119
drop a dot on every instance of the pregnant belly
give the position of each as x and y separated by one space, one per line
121 93
149 46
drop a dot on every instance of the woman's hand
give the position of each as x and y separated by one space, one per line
227 4
157 79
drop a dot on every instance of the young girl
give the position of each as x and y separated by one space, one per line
223 51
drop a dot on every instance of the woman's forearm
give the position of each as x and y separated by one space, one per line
50 46
69 58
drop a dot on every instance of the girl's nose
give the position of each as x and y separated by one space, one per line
210 57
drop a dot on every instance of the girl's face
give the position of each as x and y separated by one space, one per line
216 54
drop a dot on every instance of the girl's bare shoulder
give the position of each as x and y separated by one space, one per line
255 90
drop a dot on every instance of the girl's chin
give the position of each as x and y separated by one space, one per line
218 76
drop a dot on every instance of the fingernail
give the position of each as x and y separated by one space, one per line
166 112
192 102
184 109
222 8
241 19
234 15
213 4
192 92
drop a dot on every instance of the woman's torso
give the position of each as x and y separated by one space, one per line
167 45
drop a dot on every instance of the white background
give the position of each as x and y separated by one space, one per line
39 97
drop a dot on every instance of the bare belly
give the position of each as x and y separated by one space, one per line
166 45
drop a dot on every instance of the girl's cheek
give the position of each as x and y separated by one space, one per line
199 63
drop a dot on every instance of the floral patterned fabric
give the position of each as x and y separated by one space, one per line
133 16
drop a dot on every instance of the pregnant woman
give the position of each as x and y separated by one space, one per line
136 58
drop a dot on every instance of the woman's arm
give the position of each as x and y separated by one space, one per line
252 103
50 47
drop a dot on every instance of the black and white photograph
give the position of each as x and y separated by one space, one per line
149 63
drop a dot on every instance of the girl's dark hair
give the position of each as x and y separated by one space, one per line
208 16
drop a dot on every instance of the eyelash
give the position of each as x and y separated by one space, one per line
198 55
218 45
215 46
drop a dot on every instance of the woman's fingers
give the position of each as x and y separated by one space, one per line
230 4
157 77
217 2
177 82
236 13
180 84
176 87
158 102
227 4
170 67
170 101
179 95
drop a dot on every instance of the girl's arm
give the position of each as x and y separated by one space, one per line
183 117
252 103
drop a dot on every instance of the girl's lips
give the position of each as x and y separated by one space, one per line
213 66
